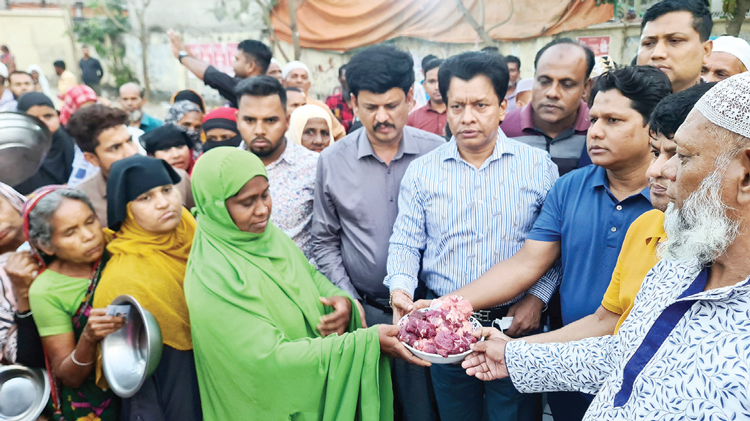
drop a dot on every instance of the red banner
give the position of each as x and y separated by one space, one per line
599 45
219 55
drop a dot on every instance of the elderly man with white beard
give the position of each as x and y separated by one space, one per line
684 350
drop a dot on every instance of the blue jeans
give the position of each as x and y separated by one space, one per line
461 397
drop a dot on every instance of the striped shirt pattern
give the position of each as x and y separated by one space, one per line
465 219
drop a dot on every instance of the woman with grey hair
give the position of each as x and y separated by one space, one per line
67 238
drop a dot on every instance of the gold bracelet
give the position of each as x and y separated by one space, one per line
390 300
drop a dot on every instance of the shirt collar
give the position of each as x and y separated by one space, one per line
581 125
502 147
407 145
657 233
289 155
600 180
429 108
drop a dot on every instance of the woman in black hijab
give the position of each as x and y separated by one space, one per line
58 163
172 144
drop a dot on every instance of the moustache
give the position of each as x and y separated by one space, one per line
379 125
260 139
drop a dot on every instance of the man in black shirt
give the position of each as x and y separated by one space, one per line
252 59
91 70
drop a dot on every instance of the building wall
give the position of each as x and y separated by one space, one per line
38 36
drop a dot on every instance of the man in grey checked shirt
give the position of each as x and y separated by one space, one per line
466 206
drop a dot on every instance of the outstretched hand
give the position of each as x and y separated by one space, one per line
177 44
391 346
487 362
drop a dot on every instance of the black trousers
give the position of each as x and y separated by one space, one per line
170 394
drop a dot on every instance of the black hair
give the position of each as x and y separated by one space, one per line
466 66
293 89
341 69
86 124
490 49
19 72
379 69
702 21
432 64
59 64
590 58
671 112
428 58
644 86
513 59
261 86
260 53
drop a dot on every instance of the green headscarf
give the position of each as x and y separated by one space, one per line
254 303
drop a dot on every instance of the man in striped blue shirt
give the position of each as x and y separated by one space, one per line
468 205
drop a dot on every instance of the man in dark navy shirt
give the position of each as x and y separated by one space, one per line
252 59
91 70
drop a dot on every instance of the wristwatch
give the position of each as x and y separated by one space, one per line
181 55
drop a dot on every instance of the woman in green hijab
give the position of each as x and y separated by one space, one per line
273 338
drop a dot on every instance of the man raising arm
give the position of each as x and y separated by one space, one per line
252 59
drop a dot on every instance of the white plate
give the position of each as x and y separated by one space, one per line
437 358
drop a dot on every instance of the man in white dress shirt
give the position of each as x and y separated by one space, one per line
684 350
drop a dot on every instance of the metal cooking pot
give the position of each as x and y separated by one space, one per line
131 355
24 393
24 142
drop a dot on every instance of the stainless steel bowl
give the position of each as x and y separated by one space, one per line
24 142
24 393
130 355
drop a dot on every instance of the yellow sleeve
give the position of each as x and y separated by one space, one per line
611 300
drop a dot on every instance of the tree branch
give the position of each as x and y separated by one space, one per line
470 19
111 17
510 15
734 25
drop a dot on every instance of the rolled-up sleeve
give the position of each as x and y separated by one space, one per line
326 233
409 236
555 367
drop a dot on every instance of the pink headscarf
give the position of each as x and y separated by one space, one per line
74 98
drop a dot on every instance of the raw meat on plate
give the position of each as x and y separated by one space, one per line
443 329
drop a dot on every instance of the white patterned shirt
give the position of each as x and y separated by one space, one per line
696 366
466 219
292 183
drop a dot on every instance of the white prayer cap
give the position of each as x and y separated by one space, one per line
3 71
727 104
273 60
737 47
293 65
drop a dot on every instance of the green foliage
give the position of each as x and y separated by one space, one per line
104 33
729 6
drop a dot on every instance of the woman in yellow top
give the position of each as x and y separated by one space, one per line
153 236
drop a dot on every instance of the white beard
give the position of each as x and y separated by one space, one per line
701 229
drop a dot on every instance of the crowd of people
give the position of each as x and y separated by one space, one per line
279 239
